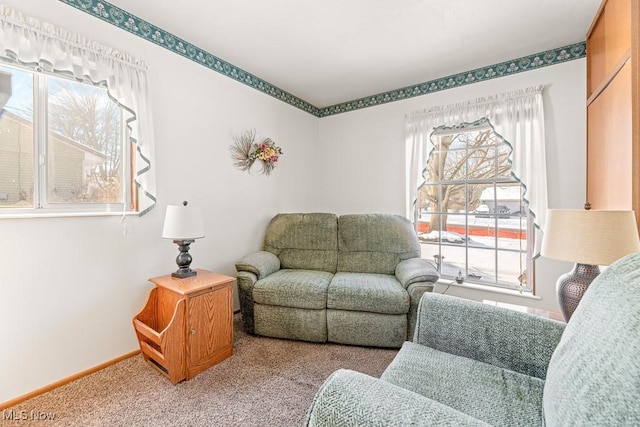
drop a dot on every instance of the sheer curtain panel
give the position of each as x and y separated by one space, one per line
517 116
27 41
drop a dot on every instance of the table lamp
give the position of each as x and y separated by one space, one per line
589 238
183 224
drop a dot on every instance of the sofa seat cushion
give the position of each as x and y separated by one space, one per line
293 288
374 293
497 396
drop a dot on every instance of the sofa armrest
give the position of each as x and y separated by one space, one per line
246 281
514 340
261 263
416 270
349 398
415 290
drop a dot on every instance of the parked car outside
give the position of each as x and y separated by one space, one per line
482 211
500 211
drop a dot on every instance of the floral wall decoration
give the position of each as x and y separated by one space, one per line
247 148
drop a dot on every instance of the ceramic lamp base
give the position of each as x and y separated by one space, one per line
183 260
572 285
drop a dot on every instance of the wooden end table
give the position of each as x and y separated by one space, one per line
187 324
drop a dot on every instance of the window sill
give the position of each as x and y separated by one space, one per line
32 215
486 288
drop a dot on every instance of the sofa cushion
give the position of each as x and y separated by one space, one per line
291 323
375 293
304 241
594 374
367 329
349 398
375 243
293 288
497 396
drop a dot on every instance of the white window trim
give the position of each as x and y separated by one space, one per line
516 116
480 126
41 206
124 76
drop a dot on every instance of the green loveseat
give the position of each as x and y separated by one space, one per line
353 279
474 364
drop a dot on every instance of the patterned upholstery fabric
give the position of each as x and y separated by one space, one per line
594 374
416 270
415 291
375 243
503 367
505 338
291 323
370 305
294 288
304 241
246 282
368 329
375 293
468 386
261 263
351 399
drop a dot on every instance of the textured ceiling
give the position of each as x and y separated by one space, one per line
331 51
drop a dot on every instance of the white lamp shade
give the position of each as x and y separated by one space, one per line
183 223
592 237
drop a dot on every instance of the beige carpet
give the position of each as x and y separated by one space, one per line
267 382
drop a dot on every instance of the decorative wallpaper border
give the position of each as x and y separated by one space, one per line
526 63
131 23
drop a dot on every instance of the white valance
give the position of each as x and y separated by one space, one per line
26 40
517 116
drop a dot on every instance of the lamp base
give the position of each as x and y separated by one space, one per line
183 260
572 285
183 274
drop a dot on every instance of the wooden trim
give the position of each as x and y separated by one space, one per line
595 18
64 381
132 176
635 108
614 72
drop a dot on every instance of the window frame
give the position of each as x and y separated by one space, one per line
42 206
495 181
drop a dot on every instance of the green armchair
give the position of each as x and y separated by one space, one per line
474 364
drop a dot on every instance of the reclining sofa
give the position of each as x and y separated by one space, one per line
352 279
472 364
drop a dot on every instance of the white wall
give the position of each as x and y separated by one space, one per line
69 287
363 153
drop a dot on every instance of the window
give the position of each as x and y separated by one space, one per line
62 147
473 219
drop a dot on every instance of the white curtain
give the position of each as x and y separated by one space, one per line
517 116
43 46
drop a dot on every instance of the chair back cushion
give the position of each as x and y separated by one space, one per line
594 373
375 243
307 241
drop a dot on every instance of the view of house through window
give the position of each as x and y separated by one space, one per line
473 218
61 146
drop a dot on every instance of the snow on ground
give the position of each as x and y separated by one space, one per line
480 252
